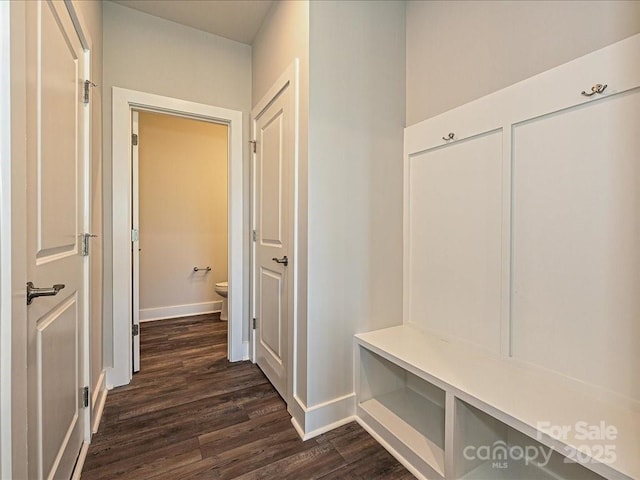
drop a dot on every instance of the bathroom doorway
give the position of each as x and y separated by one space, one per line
179 219
119 324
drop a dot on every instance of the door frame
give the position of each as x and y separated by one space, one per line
135 250
5 242
289 78
85 40
123 102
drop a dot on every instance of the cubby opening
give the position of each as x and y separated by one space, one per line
487 449
410 408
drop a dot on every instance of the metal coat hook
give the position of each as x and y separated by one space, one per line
597 88
449 137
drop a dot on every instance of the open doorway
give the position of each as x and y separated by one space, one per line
179 219
124 102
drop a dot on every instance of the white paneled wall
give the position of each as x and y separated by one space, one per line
576 232
526 222
455 229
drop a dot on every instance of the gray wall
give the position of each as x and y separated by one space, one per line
350 180
356 121
149 54
458 51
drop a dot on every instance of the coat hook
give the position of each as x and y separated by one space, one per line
597 88
449 137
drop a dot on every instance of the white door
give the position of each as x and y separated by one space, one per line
55 206
272 250
135 244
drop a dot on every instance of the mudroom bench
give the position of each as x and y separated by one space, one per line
448 410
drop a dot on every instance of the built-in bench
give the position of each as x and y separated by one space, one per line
518 351
449 410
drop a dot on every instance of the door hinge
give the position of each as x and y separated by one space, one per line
254 145
135 330
87 85
84 249
85 397
254 324
134 235
134 139
255 236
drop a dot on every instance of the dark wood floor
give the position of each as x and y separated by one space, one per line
190 414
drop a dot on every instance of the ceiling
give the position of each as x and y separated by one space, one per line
237 20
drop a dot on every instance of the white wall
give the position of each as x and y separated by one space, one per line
149 54
283 36
183 214
356 122
458 51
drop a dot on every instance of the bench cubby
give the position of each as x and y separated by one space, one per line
488 449
404 406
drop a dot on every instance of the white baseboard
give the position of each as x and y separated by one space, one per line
98 400
297 411
77 470
298 428
97 388
310 422
173 311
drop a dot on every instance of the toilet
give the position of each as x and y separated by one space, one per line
222 289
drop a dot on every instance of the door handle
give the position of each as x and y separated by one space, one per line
284 260
33 292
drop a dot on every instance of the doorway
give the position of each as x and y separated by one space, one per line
179 215
125 101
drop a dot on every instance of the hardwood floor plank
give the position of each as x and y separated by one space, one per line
379 465
236 437
183 414
265 405
144 464
309 464
191 415
203 468
356 444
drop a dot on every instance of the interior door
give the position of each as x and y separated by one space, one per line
272 253
55 206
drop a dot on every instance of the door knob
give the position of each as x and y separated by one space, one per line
284 260
33 292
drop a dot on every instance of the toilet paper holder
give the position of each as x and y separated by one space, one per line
206 269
